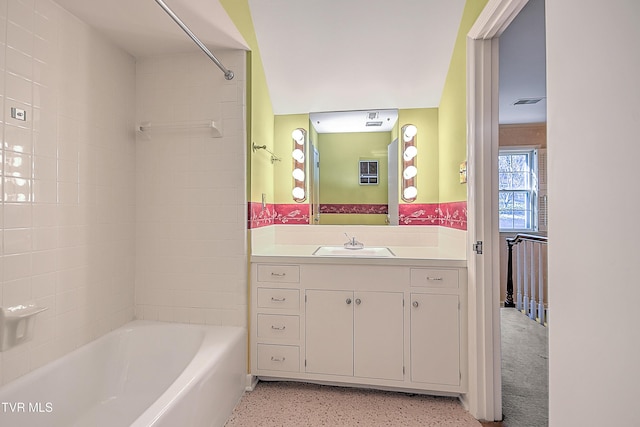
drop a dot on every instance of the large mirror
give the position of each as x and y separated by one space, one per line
353 167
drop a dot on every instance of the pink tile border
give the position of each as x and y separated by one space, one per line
277 214
259 217
450 214
360 209
292 213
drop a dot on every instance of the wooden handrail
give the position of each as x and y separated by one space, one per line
520 237
511 242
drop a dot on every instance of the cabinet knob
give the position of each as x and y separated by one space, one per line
358 301
348 301
415 304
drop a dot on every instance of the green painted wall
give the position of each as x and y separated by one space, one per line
353 219
453 111
260 119
442 131
426 120
340 154
283 145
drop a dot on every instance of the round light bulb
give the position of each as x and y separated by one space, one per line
298 174
410 152
298 136
298 155
298 193
410 172
410 193
409 132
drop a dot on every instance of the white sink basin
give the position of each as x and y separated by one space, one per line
366 252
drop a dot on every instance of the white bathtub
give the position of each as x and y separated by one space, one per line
142 374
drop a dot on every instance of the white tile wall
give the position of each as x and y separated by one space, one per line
191 209
67 199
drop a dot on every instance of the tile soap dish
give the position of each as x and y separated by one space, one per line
17 324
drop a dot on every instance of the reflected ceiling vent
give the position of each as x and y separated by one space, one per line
372 115
527 101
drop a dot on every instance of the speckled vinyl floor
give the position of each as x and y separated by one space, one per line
285 404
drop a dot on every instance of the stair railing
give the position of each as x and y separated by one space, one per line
530 295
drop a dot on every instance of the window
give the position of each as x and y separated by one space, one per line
518 191
368 172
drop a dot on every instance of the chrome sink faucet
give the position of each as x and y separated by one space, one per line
352 243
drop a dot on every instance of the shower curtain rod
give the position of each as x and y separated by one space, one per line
228 74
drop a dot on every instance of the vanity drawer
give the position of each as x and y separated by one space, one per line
278 273
279 357
434 277
278 298
278 326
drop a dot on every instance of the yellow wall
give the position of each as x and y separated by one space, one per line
283 144
340 154
453 111
353 219
426 120
260 127
442 131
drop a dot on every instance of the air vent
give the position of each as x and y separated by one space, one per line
527 101
372 115
374 124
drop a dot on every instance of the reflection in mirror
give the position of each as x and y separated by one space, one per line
347 142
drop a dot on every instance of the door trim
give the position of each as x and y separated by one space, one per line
484 400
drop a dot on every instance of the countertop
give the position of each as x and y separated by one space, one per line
405 255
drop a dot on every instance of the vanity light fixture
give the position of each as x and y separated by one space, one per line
409 160
299 139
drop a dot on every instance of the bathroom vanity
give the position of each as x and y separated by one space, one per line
393 322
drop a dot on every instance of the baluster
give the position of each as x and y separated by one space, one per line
508 301
540 286
532 300
525 276
519 278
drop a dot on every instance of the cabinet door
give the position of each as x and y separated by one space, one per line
378 335
435 339
329 332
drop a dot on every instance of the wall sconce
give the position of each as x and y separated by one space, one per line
299 137
409 160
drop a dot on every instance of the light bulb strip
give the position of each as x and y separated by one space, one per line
409 163
299 175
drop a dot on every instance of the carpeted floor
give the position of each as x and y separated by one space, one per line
294 404
525 370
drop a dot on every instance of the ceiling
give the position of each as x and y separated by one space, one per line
143 29
336 55
523 67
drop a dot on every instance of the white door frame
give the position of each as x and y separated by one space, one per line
484 400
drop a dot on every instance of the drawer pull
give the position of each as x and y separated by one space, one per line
274 299
278 274
278 328
277 359
435 279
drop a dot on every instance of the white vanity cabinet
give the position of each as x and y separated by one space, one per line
435 319
354 333
399 326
